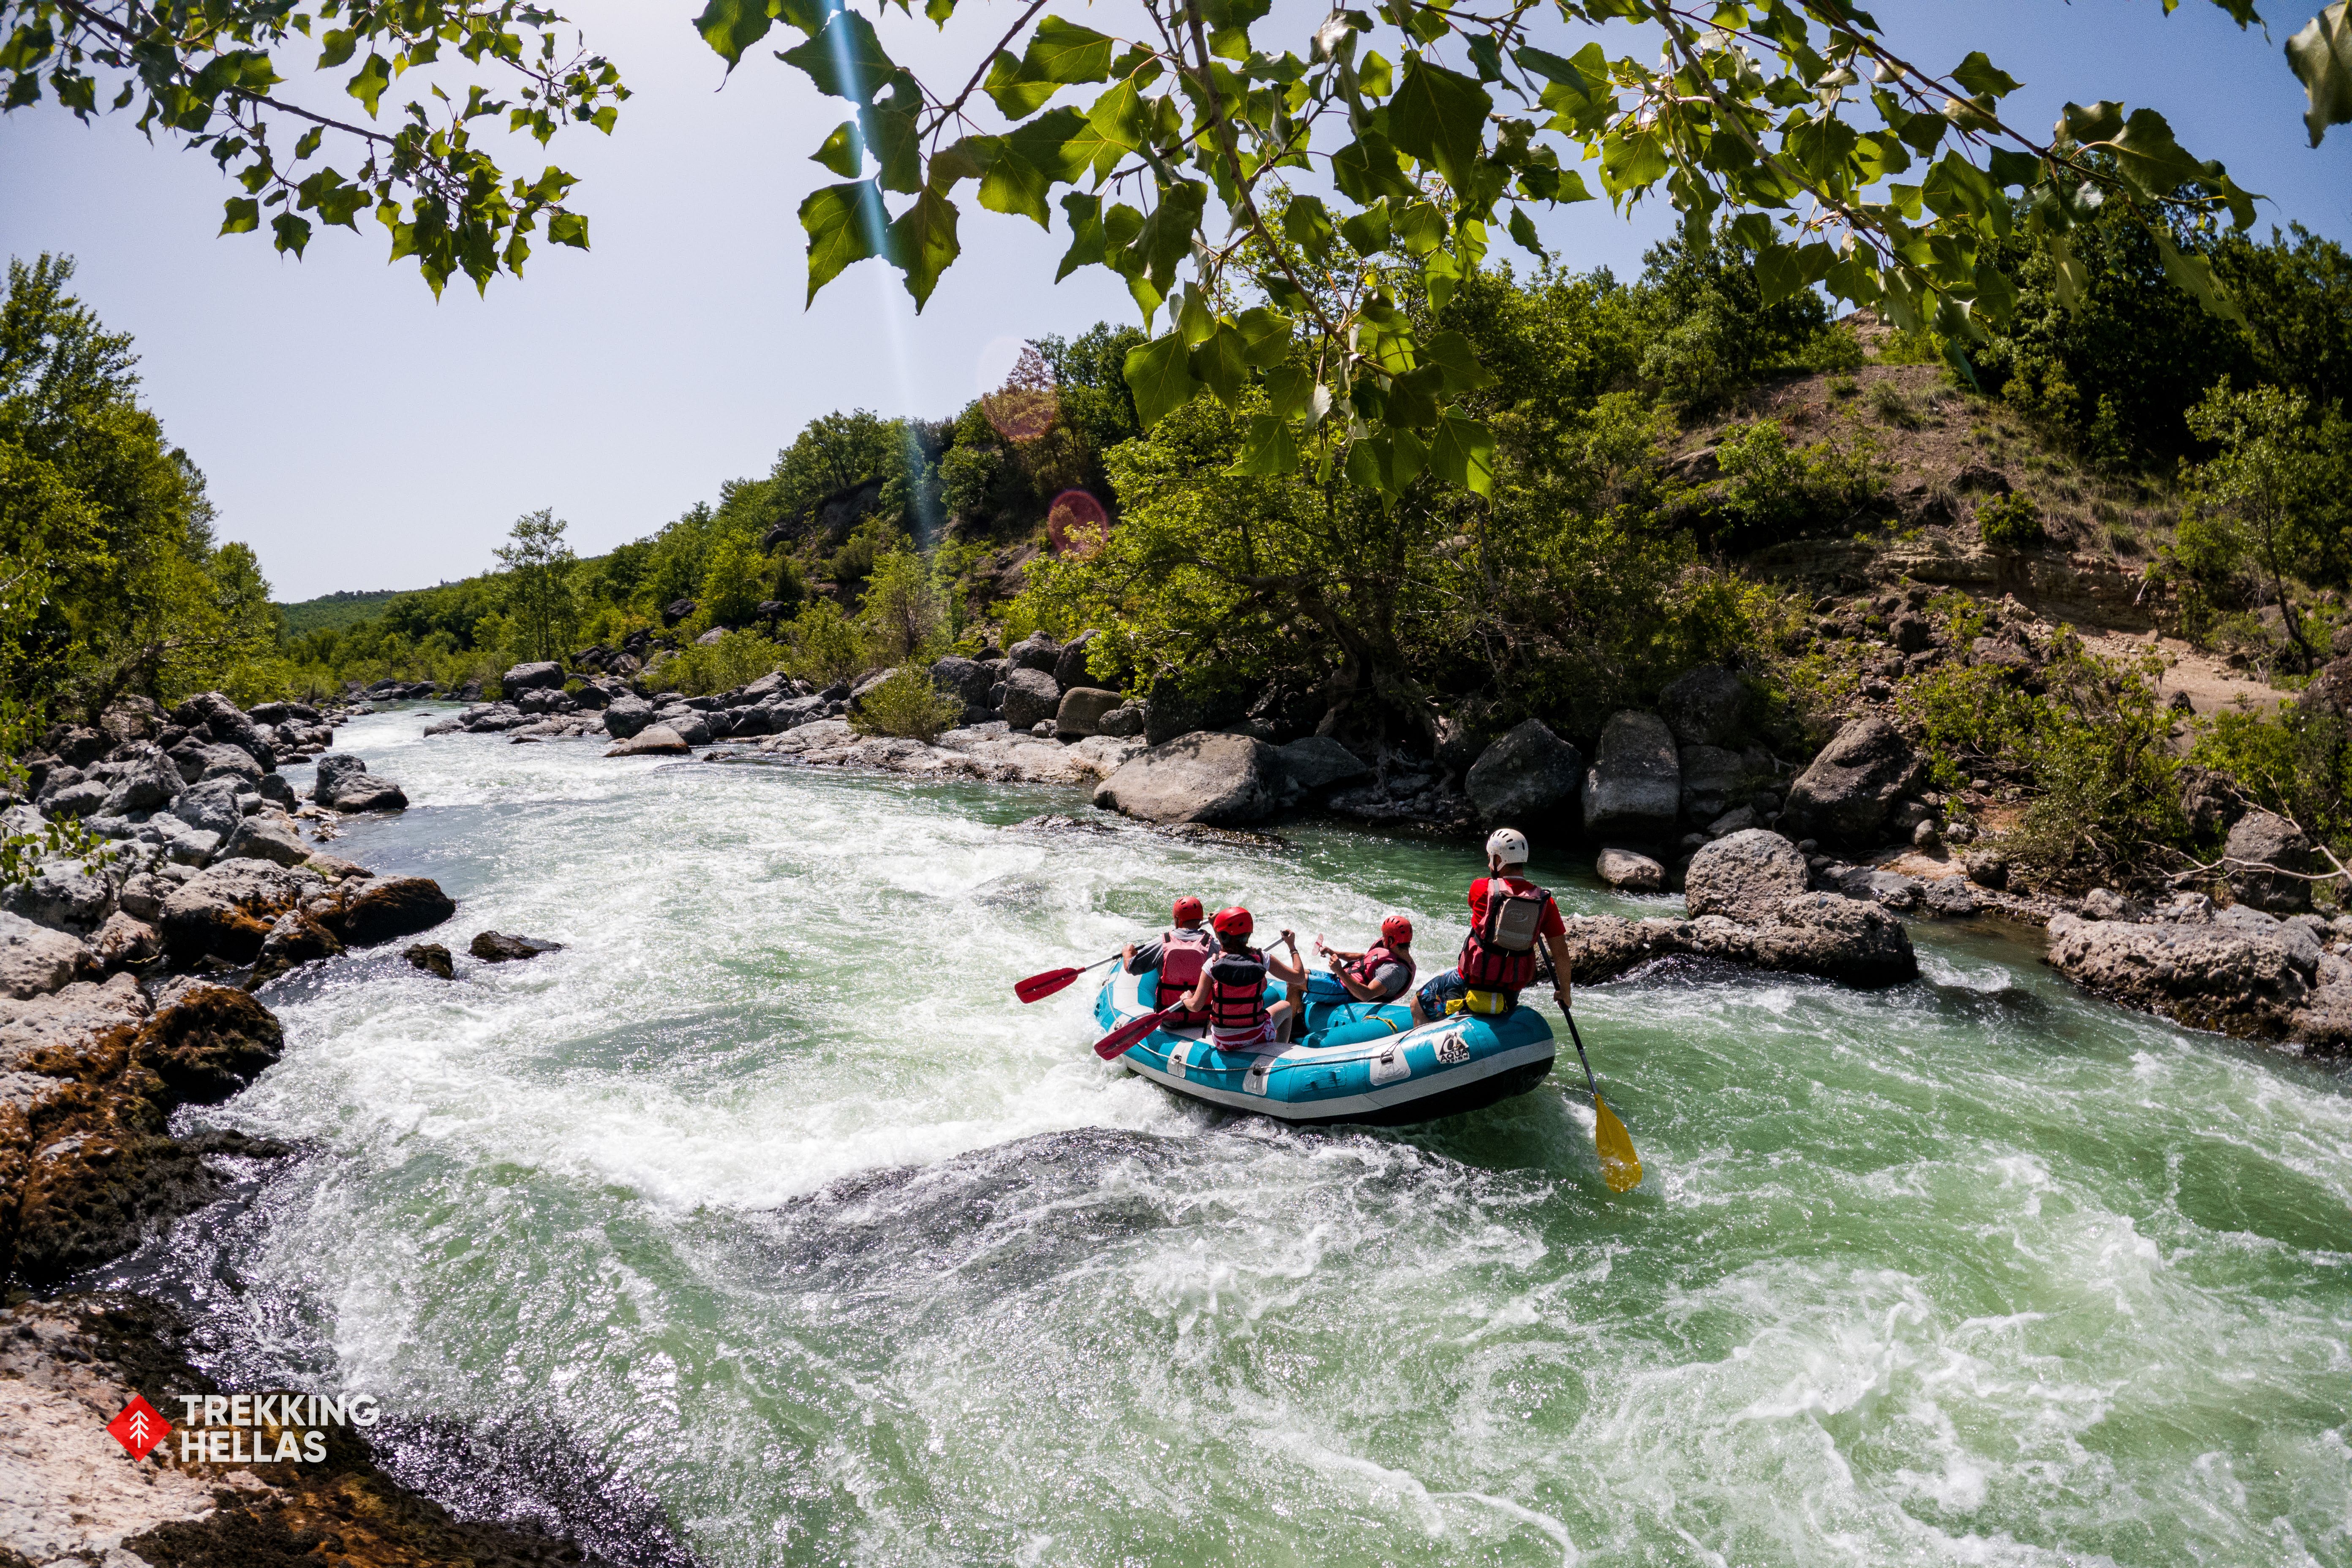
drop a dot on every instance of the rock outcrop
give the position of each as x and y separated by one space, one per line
343 784
1844 797
1630 872
1223 781
1818 934
1744 876
1706 707
2264 854
1633 789
1529 777
653 741
2240 973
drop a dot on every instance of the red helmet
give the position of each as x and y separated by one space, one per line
1397 932
1234 921
1188 911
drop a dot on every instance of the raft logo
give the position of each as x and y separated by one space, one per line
266 1428
138 1428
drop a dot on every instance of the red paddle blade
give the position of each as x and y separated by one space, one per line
1039 987
1115 1044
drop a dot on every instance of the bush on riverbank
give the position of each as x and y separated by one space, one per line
908 705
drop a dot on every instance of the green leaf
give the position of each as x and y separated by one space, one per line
1115 126
845 60
1996 295
1265 335
1779 274
336 46
1439 117
1014 185
1063 52
1306 224
1085 214
730 26
1421 228
939 11
1220 366
1441 274
1268 451
921 244
368 85
1452 353
244 216
842 226
1406 458
2073 280
1632 161
1462 453
1166 236
1979 74
568 228
1368 468
1016 97
2195 274
2320 55
1289 390
1158 375
2098 122
293 233
842 152
1367 231
1413 398
1045 142
890 137
1366 169
1523 231
1195 322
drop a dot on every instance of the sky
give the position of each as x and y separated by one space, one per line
361 435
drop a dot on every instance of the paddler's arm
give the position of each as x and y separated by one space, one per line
1361 992
1292 973
1561 966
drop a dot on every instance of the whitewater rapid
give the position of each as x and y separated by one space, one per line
766 1206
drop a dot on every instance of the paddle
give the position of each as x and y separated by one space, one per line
1038 987
1620 1166
1114 1044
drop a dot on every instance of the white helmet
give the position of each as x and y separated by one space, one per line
1508 845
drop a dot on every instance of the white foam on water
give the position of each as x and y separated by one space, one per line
766 1189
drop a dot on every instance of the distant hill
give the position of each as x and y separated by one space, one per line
337 610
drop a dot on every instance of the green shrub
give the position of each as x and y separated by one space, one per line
737 659
907 704
2296 763
2011 523
1844 386
1893 406
825 646
1772 491
1835 348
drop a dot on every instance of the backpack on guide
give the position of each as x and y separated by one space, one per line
1499 954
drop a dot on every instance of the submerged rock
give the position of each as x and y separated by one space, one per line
431 958
498 947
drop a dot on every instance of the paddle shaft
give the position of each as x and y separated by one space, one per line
1038 987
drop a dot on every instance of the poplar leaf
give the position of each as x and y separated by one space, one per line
2321 57
922 243
1462 453
841 222
1158 375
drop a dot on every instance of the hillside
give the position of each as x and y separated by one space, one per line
336 611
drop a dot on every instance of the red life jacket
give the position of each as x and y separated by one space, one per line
1237 1010
1182 954
1500 953
1362 969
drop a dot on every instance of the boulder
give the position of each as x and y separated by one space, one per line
207 1043
1217 779
125 940
1812 933
2263 848
205 763
267 836
86 797
35 960
498 947
1070 664
1038 652
1844 796
61 1025
2250 978
1125 721
64 895
353 788
1705 707
381 908
1712 779
294 939
333 768
1737 820
1633 789
226 911
1987 868
1891 888
1030 695
210 807
965 679
431 958
1744 876
1630 872
1081 711
1950 897
525 678
1528 778
1317 761
626 716
148 782
654 740
278 792
227 723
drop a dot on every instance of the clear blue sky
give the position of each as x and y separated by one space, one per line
360 435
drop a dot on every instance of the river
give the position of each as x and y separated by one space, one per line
763 1210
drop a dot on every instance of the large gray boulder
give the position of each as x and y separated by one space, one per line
1744 876
1030 695
1630 872
349 787
267 836
228 724
210 807
64 895
624 716
1633 789
227 910
1070 664
221 760
966 679
148 782
1314 763
1706 707
653 741
35 960
1223 781
2264 847
1525 778
525 678
2248 977
1038 652
334 767
1081 711
1712 779
1844 796
1812 933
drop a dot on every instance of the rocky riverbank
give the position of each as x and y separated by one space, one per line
126 993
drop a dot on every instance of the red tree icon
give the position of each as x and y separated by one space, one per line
138 1428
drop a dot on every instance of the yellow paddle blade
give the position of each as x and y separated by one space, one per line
1620 1166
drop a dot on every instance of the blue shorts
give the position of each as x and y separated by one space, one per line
1436 992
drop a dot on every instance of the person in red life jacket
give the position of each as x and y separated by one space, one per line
1383 972
1179 954
1509 918
1231 989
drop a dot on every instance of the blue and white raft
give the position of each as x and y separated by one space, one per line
1358 1062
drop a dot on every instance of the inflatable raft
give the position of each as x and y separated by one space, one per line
1357 1061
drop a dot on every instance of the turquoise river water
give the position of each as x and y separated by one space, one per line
764 1205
